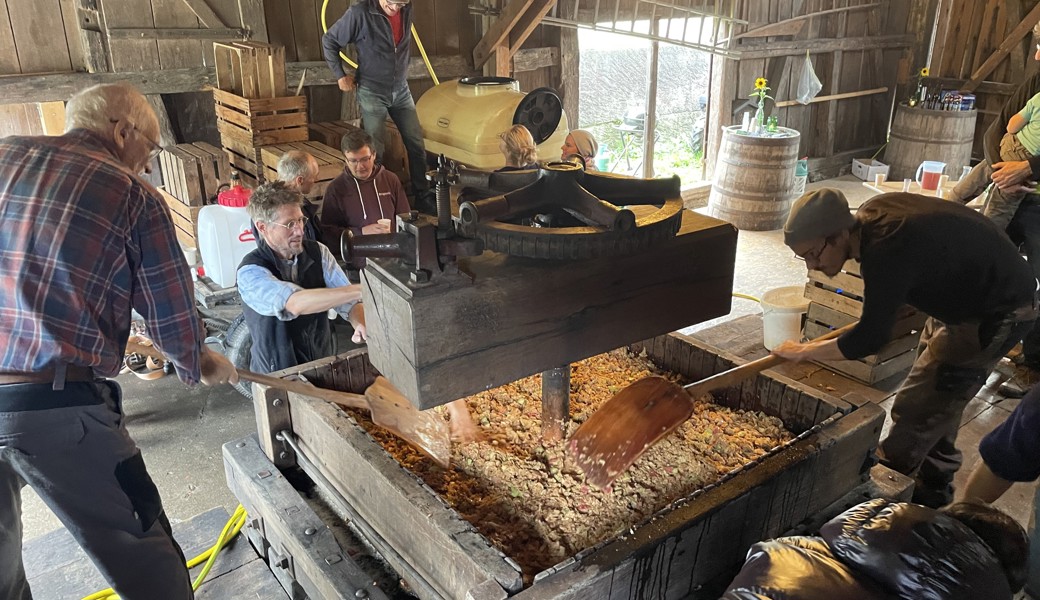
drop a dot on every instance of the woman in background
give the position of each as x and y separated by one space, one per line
518 147
581 144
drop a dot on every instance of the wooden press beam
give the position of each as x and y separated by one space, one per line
1004 49
771 49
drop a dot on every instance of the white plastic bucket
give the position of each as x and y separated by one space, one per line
225 237
782 310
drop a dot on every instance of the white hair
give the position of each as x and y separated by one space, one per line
293 164
95 107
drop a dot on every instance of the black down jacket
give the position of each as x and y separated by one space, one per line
876 550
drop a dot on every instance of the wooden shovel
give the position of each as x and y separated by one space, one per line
617 434
390 409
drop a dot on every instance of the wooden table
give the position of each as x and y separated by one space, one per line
947 190
915 188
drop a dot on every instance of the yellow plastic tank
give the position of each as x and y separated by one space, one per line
462 119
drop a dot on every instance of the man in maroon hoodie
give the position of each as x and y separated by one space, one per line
365 197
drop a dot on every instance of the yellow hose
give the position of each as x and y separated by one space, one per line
415 34
746 297
231 529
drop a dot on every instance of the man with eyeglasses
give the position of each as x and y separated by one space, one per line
950 263
289 283
85 241
299 171
381 30
364 199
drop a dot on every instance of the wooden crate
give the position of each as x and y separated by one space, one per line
260 122
250 69
837 301
395 156
185 219
330 162
193 172
244 158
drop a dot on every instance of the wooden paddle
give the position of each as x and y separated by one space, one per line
617 434
390 409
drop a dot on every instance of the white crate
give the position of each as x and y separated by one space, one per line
866 168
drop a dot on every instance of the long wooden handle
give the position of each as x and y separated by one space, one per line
300 387
737 374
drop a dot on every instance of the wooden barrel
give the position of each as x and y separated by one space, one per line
754 183
920 134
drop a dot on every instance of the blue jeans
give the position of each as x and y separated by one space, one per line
1024 230
400 107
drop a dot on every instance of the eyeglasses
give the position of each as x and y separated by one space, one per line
397 4
814 255
291 224
360 161
156 147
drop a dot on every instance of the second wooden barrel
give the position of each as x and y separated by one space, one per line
754 182
919 134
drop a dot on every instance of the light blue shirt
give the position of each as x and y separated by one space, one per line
267 295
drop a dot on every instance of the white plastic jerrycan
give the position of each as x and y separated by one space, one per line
226 234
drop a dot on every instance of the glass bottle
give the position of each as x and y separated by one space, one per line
772 124
760 119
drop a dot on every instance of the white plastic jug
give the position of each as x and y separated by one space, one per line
782 310
928 174
225 237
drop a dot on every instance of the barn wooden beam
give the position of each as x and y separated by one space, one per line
794 25
91 33
178 34
205 13
531 18
752 51
47 87
1013 38
498 34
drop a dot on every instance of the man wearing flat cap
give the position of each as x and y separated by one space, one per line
950 263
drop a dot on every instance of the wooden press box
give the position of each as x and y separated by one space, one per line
837 301
694 545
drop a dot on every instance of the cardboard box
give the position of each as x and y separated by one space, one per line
866 169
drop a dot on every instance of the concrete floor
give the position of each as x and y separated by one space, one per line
181 430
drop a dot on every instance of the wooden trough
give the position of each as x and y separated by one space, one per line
684 551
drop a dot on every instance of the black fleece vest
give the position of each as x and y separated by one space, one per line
281 344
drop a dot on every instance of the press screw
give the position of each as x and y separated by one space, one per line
277 402
361 594
310 531
283 455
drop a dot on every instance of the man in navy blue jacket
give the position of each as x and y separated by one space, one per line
381 32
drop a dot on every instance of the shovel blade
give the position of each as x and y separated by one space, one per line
617 434
425 430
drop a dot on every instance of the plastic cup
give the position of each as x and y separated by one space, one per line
879 178
943 179
385 223
906 185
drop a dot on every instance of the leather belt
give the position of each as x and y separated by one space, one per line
57 376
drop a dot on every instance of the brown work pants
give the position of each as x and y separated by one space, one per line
953 361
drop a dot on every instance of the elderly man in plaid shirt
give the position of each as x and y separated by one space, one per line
85 240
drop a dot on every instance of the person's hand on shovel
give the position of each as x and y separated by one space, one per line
216 368
357 320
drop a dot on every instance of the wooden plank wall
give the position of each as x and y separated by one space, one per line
967 33
832 132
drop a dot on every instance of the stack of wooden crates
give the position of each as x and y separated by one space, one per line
253 111
837 301
192 175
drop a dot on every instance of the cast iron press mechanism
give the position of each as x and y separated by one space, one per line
558 211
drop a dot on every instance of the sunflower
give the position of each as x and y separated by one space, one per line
924 71
760 83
